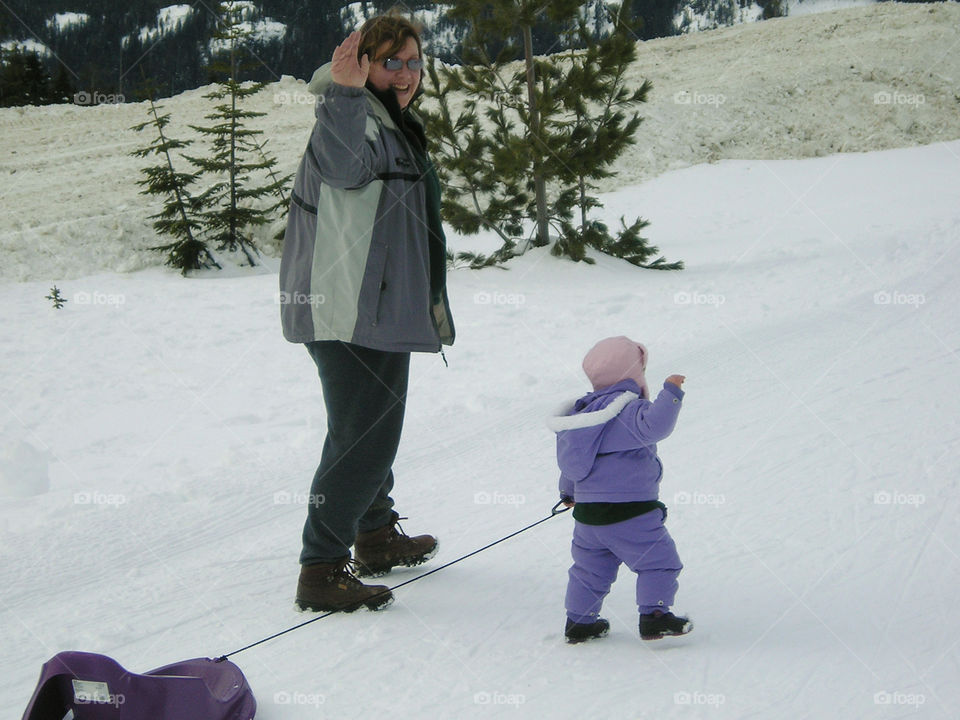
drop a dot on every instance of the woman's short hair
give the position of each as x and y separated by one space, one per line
390 28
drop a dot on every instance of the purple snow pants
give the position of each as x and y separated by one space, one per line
642 544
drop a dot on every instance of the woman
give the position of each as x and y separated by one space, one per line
363 285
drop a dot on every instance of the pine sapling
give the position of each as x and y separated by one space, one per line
179 217
58 300
230 213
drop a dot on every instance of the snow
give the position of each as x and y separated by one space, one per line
353 15
169 20
67 20
436 39
812 478
159 436
172 16
808 7
28 46
23 470
263 30
689 20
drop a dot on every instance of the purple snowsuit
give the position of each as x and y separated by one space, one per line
607 453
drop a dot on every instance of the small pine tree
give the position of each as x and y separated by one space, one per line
528 143
178 218
229 213
58 300
594 124
509 24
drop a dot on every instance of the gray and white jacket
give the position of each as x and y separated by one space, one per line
356 258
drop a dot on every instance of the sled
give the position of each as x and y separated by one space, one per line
86 686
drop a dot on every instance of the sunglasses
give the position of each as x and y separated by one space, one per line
393 64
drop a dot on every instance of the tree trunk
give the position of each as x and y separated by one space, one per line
234 230
539 184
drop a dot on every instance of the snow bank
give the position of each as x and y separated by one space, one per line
859 79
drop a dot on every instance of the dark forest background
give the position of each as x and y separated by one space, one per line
105 57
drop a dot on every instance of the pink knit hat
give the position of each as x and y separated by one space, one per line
615 359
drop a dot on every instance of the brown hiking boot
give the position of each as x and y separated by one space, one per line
381 550
332 586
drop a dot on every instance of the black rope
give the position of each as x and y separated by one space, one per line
554 511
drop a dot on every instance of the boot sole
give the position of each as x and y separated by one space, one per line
374 604
659 636
375 571
578 640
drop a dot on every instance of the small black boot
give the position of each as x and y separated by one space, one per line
578 632
658 624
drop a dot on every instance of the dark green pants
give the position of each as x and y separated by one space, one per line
365 393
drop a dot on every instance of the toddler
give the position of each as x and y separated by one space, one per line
610 475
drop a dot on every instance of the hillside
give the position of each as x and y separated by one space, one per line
876 77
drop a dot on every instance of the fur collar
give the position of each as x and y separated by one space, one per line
564 421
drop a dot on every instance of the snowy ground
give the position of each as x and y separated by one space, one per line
159 437
859 79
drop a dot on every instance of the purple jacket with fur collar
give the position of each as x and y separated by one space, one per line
607 443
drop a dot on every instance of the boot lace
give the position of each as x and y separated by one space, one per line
396 526
347 570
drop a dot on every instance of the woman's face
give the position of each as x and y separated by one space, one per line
404 82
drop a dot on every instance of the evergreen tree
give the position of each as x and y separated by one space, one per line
595 123
511 24
56 298
61 91
528 144
477 193
178 218
230 215
23 79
